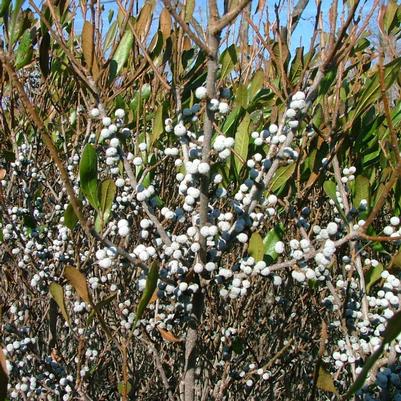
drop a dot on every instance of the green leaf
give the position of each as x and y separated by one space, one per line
150 286
327 81
282 176
297 65
110 36
232 120
372 92
270 240
237 346
392 331
16 21
372 276
189 10
139 98
241 143
124 388
57 292
121 55
24 52
241 96
325 381
256 84
228 59
70 218
88 175
361 190
256 247
390 15
107 192
393 328
158 123
330 190
4 6
360 380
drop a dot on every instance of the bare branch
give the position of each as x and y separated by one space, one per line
186 28
228 18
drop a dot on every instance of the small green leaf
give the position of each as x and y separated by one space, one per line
16 23
361 190
121 55
70 218
122 389
4 6
110 36
282 177
139 98
393 328
241 143
241 96
158 123
270 240
107 192
256 247
232 120
256 84
150 286
228 59
372 276
24 52
297 65
57 292
88 175
330 190
360 380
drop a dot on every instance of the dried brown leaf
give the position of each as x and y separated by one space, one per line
78 281
168 336
165 23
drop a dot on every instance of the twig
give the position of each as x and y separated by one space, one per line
186 28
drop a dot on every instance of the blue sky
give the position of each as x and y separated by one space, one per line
301 35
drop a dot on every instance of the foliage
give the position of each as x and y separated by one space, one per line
180 210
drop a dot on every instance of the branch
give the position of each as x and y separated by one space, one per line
186 29
30 110
142 47
217 27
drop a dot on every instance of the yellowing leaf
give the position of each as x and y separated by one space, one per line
57 292
256 247
78 281
189 9
144 20
88 48
325 381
